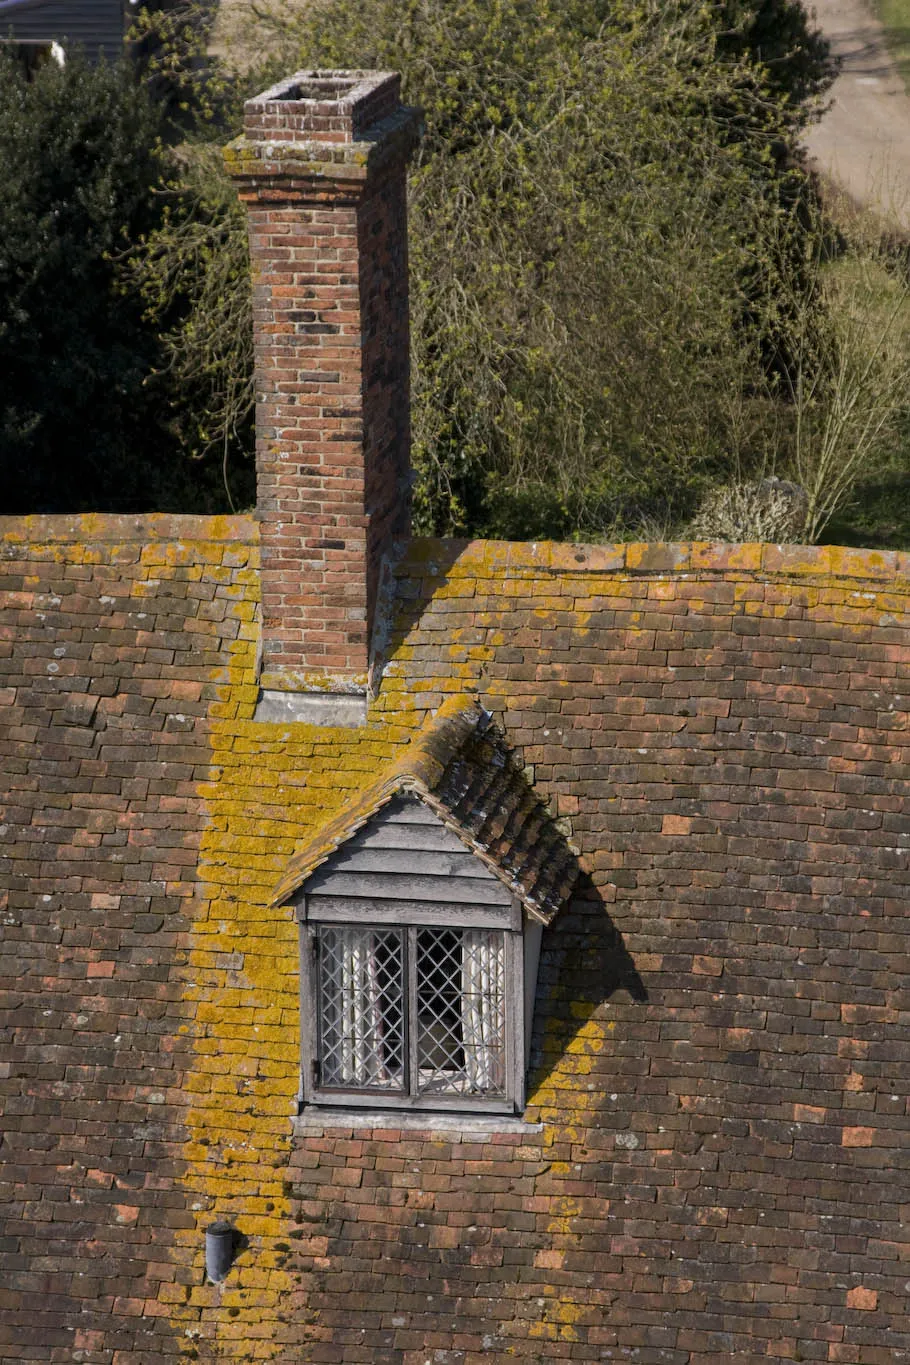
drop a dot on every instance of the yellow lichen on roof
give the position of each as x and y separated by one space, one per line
272 785
561 643
418 768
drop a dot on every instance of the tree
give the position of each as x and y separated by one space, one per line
192 273
849 383
78 165
91 412
590 226
604 325
778 36
588 214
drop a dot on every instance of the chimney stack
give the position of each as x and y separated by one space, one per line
321 169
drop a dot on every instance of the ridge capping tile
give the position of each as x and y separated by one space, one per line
142 528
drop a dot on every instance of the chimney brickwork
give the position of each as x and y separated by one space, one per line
321 169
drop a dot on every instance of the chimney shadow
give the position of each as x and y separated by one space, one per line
420 571
584 963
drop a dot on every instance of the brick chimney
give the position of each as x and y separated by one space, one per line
321 169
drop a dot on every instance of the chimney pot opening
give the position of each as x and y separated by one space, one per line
316 89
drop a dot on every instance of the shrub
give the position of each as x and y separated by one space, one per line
766 509
589 228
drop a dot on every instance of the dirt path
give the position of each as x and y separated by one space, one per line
863 141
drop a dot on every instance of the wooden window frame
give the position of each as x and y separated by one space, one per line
410 916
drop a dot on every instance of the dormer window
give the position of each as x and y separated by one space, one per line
421 907
414 1014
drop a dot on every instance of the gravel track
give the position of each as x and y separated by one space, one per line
863 141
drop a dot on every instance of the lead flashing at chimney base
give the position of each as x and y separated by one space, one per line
321 168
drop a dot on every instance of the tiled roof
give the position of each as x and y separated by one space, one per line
459 765
116 641
726 729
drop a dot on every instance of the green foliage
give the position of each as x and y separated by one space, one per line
615 295
778 35
193 276
841 398
169 47
78 163
878 513
895 19
623 299
87 400
849 386
94 411
591 289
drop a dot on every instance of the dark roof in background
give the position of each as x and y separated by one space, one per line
95 25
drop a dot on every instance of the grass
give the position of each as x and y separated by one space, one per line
895 18
878 517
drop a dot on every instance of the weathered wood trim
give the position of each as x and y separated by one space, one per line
411 1028
364 911
410 810
508 919
515 1010
409 886
531 942
461 1126
309 1043
373 1099
405 863
430 838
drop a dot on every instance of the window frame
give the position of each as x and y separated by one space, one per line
409 917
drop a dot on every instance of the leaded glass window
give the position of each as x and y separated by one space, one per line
414 1014
461 1011
361 1006
419 1011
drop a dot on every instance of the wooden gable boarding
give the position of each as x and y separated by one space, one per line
95 26
407 864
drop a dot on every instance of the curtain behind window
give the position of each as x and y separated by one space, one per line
483 1009
361 1007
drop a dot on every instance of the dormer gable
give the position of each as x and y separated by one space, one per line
421 907
406 852
459 782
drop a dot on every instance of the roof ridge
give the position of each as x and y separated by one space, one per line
497 558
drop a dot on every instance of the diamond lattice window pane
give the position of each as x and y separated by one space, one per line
461 1011
361 975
